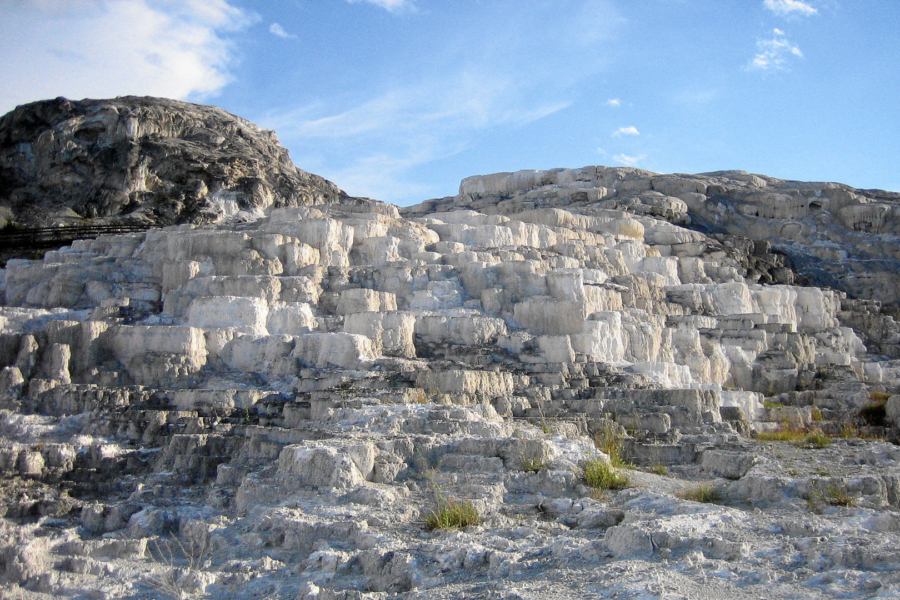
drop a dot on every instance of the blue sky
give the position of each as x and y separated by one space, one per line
400 99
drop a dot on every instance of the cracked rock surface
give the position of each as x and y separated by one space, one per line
141 160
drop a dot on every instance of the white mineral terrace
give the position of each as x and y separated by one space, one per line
272 409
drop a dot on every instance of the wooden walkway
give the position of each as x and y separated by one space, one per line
55 237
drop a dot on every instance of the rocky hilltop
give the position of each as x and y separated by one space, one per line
553 385
143 160
834 235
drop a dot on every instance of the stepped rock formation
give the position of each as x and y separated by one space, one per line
143 160
274 408
835 235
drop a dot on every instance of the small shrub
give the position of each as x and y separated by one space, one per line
181 562
598 474
659 470
836 496
770 404
816 415
702 493
452 514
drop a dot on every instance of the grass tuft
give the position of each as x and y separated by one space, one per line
816 439
453 514
707 494
608 440
600 475
836 496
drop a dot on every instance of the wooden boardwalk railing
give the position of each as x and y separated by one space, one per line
54 237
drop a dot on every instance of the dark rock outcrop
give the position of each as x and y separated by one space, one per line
143 160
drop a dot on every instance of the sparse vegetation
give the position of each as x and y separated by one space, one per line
182 564
659 470
533 464
608 440
848 430
784 434
452 514
601 475
837 496
792 433
708 494
815 439
770 404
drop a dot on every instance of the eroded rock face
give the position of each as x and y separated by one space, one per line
835 235
143 160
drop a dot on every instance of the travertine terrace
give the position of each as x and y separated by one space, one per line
272 407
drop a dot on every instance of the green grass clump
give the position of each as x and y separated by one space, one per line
610 442
838 497
659 470
770 404
598 474
816 439
453 514
702 493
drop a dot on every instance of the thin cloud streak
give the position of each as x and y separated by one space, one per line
393 6
786 8
629 161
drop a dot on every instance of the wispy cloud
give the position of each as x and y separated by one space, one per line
389 5
486 77
790 7
105 48
773 53
622 131
629 161
278 31
614 103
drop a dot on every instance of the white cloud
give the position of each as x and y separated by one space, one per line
625 131
614 103
105 48
277 30
772 54
629 161
388 5
790 7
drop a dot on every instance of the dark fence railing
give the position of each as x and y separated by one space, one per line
54 237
